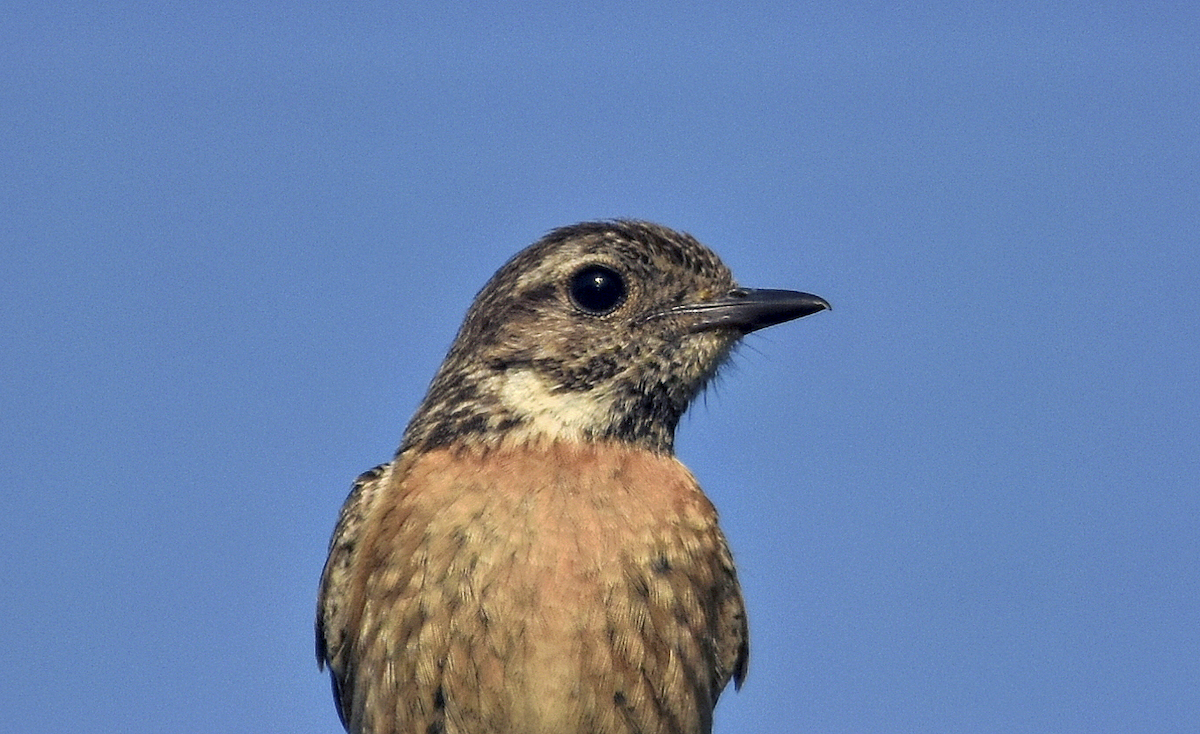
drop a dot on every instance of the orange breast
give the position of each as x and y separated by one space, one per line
541 581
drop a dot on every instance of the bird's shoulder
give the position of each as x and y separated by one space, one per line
336 609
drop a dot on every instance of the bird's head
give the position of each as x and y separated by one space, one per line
600 330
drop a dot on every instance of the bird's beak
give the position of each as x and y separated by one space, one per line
750 309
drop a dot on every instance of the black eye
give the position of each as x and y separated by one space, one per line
597 289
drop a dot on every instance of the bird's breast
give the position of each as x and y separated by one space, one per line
548 582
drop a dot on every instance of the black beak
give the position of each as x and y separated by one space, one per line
750 309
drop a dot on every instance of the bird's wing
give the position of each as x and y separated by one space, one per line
734 636
337 605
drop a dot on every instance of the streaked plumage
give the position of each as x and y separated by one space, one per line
535 560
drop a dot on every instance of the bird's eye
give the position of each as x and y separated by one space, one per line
597 289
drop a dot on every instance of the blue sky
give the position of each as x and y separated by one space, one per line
239 240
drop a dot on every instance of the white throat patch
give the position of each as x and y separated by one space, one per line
562 414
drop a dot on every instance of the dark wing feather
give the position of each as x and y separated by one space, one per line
733 633
336 608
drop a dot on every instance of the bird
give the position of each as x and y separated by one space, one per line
535 559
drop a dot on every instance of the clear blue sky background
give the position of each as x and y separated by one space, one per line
238 238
